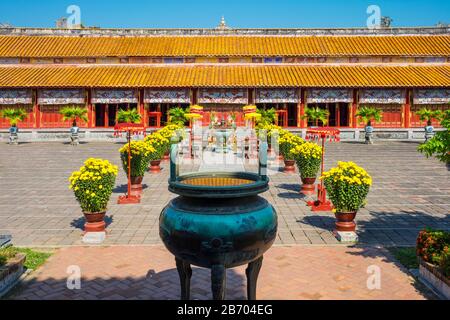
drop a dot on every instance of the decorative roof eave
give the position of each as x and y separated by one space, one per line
229 76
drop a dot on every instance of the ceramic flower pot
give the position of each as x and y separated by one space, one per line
136 186
166 156
155 166
289 166
95 221
308 186
345 221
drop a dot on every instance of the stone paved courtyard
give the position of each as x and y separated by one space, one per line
410 192
149 273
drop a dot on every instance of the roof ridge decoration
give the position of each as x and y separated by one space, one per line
443 29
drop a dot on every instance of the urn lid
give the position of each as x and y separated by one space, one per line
219 185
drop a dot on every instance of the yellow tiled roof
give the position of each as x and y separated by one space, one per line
224 76
223 46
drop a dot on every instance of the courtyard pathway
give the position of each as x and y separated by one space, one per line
409 193
288 273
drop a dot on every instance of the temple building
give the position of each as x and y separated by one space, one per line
399 70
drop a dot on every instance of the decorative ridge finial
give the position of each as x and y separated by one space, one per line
223 24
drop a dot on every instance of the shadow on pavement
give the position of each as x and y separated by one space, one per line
164 285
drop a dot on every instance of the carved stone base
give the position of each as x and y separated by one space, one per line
13 139
74 140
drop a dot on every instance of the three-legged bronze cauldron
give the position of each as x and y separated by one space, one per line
219 222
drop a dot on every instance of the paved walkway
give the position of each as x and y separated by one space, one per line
410 192
289 273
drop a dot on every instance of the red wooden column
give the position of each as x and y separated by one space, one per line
407 110
354 109
301 109
36 110
142 107
107 106
90 108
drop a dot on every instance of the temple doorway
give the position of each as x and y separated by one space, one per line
106 114
223 112
339 114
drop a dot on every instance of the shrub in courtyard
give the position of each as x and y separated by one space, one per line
347 186
14 116
308 156
369 114
444 264
141 154
428 115
266 117
74 114
316 114
439 145
431 244
93 184
128 116
177 116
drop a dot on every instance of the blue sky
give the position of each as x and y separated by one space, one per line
238 13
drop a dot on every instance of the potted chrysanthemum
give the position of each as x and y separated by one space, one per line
308 157
140 159
267 132
93 185
173 134
159 143
286 143
347 186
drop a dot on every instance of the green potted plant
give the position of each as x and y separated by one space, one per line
93 185
286 143
140 159
308 157
315 115
347 186
128 116
369 114
428 116
14 116
267 117
159 143
73 113
177 116
439 145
